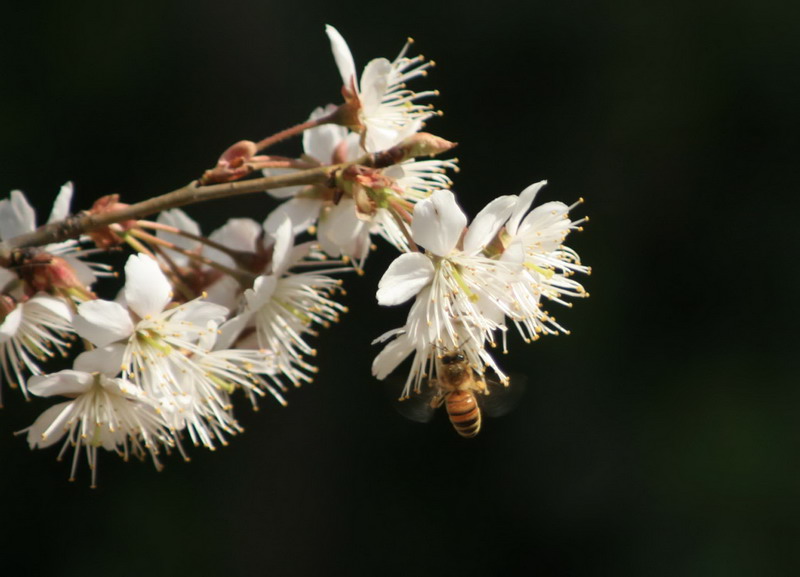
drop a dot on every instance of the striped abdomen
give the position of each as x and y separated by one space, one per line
464 413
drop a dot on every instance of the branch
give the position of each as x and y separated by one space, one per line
78 224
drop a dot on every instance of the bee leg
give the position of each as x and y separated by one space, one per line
437 401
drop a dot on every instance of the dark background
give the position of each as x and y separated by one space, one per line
659 438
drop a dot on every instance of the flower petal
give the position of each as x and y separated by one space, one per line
200 313
261 293
320 142
106 360
524 202
147 290
485 226
62 383
342 232
374 82
16 216
102 322
238 234
342 55
392 355
10 324
53 305
301 211
438 222
230 330
61 204
283 237
404 278
36 432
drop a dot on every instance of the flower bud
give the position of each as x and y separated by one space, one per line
418 144
235 163
107 236
51 274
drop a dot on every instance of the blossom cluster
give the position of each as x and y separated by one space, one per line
203 319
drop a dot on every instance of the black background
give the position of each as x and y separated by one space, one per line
659 438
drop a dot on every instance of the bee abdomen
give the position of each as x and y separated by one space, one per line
464 413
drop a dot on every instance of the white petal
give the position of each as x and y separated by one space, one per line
238 234
10 324
261 293
485 226
225 292
102 322
404 278
53 305
514 252
303 212
320 142
374 82
523 204
342 232
438 223
282 248
380 138
106 360
63 383
16 216
82 270
147 290
342 55
43 422
392 355
61 204
201 313
230 331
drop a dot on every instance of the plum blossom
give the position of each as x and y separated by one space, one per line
344 226
70 273
386 111
162 349
282 308
467 282
31 331
103 412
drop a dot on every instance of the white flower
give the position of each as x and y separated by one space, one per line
162 349
470 279
536 241
387 110
282 308
105 412
343 229
17 217
32 331
460 293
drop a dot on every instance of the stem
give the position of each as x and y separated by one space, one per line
202 239
292 131
244 278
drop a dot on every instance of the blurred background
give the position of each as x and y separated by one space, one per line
659 438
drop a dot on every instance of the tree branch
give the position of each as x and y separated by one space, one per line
83 222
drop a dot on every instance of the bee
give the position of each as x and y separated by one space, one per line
456 387
464 393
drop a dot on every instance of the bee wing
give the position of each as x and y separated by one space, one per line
499 399
418 407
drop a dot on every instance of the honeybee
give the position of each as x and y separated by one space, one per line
464 393
456 388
